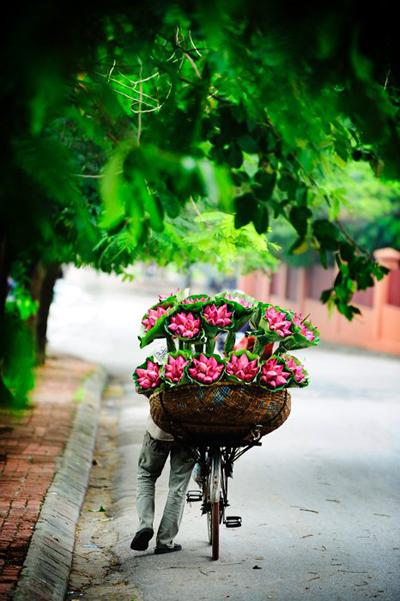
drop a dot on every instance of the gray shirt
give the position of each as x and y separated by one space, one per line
156 432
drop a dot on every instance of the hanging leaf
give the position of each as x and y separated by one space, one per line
246 209
327 234
261 219
265 185
149 202
114 188
299 217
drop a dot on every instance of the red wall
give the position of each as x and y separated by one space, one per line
378 326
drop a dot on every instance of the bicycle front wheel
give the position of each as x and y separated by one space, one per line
215 530
214 493
209 525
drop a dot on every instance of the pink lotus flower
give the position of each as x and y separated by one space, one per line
206 369
239 300
297 370
304 331
163 297
149 377
242 368
190 300
185 325
174 368
150 319
217 316
277 322
273 374
298 319
308 334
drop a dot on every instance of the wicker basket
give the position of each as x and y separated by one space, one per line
225 412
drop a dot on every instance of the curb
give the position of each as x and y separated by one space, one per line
46 569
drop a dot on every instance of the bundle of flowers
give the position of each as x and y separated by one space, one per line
194 302
242 303
206 369
153 322
242 366
275 322
299 374
147 376
224 315
191 324
216 317
274 374
305 334
243 307
172 297
174 372
152 316
184 325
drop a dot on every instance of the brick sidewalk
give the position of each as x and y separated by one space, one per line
30 444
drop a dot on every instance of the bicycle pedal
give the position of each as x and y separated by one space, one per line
192 496
233 521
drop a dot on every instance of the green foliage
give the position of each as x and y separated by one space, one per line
116 122
19 301
187 109
18 348
200 105
370 207
196 237
369 214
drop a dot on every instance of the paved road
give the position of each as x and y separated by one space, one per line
319 499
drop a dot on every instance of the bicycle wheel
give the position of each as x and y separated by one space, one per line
214 493
215 530
209 525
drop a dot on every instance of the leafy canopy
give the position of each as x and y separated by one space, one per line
131 114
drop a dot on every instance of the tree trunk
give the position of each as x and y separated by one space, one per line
37 273
52 273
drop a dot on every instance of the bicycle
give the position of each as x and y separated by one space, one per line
216 466
224 422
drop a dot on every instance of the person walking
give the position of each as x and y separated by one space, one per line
157 446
